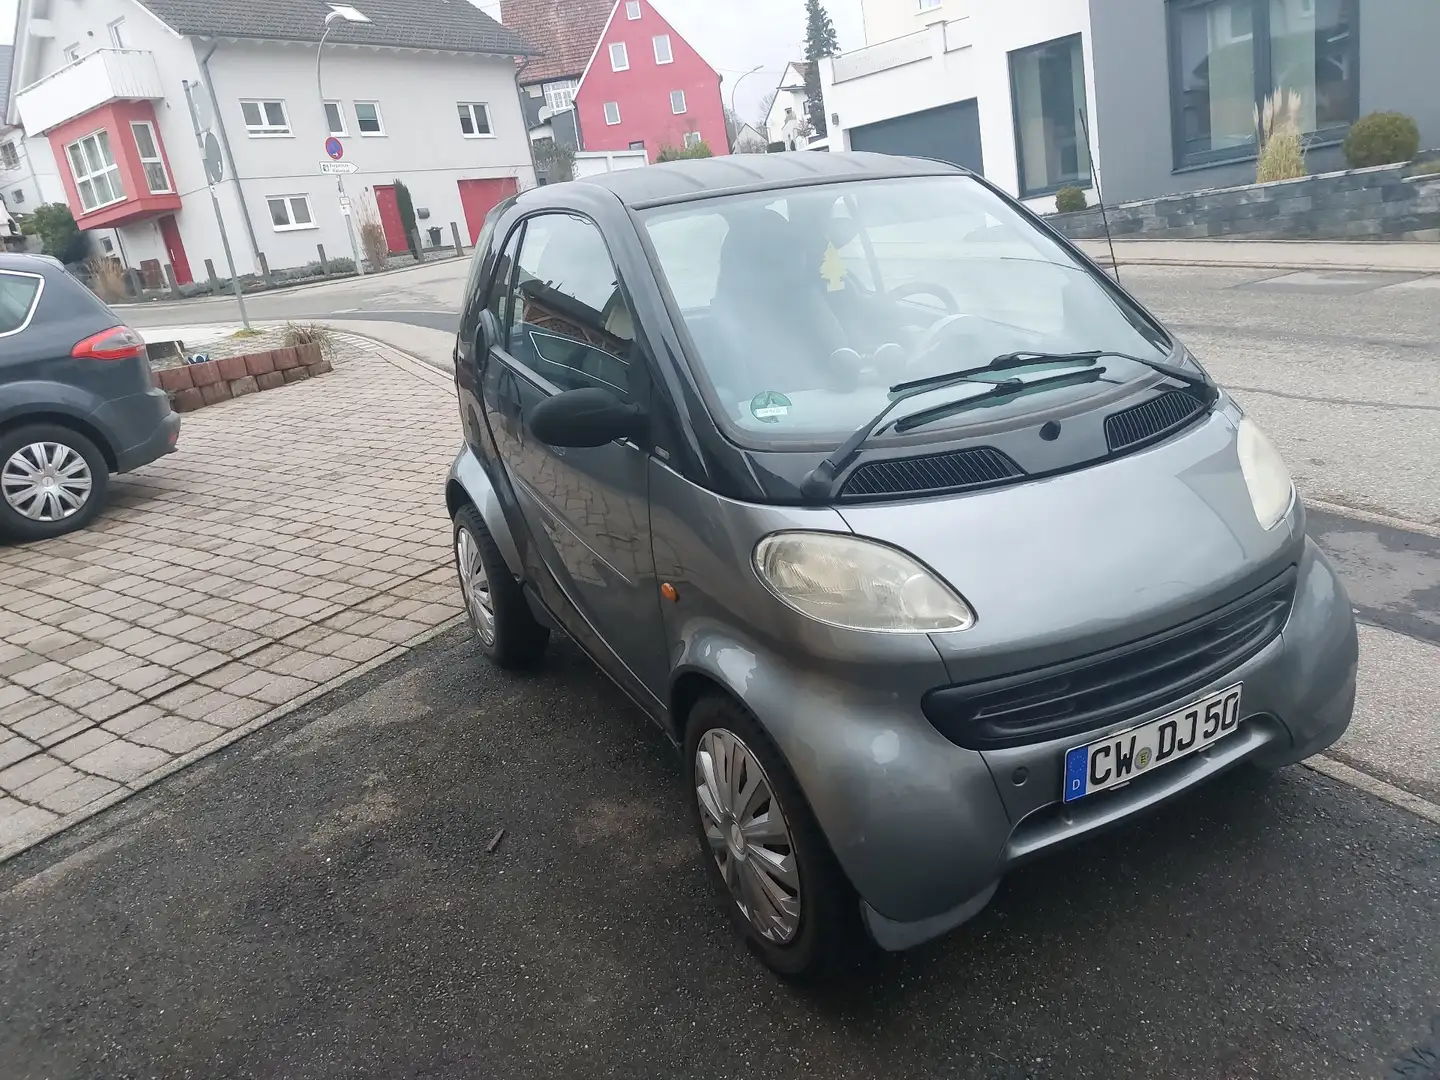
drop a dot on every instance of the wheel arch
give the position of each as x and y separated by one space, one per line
77 424
469 484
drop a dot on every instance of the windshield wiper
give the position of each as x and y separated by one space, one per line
1010 388
1164 367
1012 360
819 482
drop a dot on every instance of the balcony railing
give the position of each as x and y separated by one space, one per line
885 55
81 85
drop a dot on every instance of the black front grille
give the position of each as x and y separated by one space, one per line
933 473
1114 685
1155 418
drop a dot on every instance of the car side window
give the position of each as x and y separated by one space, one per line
18 294
572 324
501 285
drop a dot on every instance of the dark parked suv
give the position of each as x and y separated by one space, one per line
76 400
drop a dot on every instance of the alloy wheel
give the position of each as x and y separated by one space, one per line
46 481
475 585
748 835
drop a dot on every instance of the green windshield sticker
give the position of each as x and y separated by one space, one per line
769 406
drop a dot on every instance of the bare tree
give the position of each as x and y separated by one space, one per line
765 105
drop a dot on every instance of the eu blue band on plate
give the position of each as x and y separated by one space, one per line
1075 762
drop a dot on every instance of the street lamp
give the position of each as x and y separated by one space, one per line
348 14
736 86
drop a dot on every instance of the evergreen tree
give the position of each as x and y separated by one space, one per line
820 41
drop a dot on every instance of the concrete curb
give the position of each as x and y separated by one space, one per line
1347 268
75 817
1363 781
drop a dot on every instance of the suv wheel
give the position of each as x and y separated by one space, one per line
52 481
494 602
763 848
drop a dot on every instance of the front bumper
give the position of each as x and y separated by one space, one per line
926 861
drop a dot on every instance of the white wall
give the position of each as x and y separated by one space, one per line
968 58
789 95
886 19
423 144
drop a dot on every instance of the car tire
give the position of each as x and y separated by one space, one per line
828 938
77 458
506 628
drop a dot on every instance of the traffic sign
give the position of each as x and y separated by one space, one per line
330 168
345 205
334 149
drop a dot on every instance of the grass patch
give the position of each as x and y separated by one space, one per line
247 332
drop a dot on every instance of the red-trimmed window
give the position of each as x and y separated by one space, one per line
97 177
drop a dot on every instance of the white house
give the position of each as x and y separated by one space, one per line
421 91
1167 88
786 120
27 178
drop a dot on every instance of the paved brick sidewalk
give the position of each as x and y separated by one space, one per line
294 537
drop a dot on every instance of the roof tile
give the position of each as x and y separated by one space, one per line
564 32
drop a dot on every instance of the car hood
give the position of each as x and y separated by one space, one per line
1065 566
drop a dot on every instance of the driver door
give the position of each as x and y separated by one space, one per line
565 324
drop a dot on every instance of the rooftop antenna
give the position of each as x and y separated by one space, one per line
1099 194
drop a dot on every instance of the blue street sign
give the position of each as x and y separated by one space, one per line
334 149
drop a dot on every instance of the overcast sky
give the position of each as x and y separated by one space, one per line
733 35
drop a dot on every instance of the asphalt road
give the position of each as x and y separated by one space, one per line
317 901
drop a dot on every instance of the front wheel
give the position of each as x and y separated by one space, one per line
52 481
763 849
499 614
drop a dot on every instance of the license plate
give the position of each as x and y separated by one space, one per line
1118 759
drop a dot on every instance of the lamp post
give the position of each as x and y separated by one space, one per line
349 14
736 86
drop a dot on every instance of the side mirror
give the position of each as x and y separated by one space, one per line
487 335
586 417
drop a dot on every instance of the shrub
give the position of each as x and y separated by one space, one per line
1282 147
372 235
106 278
406 205
681 153
309 334
1070 199
59 236
1381 138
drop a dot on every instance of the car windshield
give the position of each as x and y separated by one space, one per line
806 305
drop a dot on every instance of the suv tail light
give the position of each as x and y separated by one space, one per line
117 343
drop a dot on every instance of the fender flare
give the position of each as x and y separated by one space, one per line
469 482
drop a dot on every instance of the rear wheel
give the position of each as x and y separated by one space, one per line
499 614
52 481
763 848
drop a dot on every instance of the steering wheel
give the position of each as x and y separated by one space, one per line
925 288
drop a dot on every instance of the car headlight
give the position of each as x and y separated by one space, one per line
1266 477
858 584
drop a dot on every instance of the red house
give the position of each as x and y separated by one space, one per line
646 87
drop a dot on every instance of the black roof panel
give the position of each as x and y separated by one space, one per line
697 178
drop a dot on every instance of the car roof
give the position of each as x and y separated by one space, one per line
33 263
699 178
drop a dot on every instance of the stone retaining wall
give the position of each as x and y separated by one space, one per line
1389 202
193 386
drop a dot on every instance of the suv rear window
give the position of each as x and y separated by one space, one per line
18 295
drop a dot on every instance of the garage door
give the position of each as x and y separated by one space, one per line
477 197
951 133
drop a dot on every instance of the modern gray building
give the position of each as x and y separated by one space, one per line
1169 88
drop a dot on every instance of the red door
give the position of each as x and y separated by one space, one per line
389 205
175 250
479 196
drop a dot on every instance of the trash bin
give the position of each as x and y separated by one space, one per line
434 232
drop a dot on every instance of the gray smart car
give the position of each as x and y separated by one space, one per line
928 546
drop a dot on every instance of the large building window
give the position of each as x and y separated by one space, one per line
97 177
156 177
1227 55
1047 85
